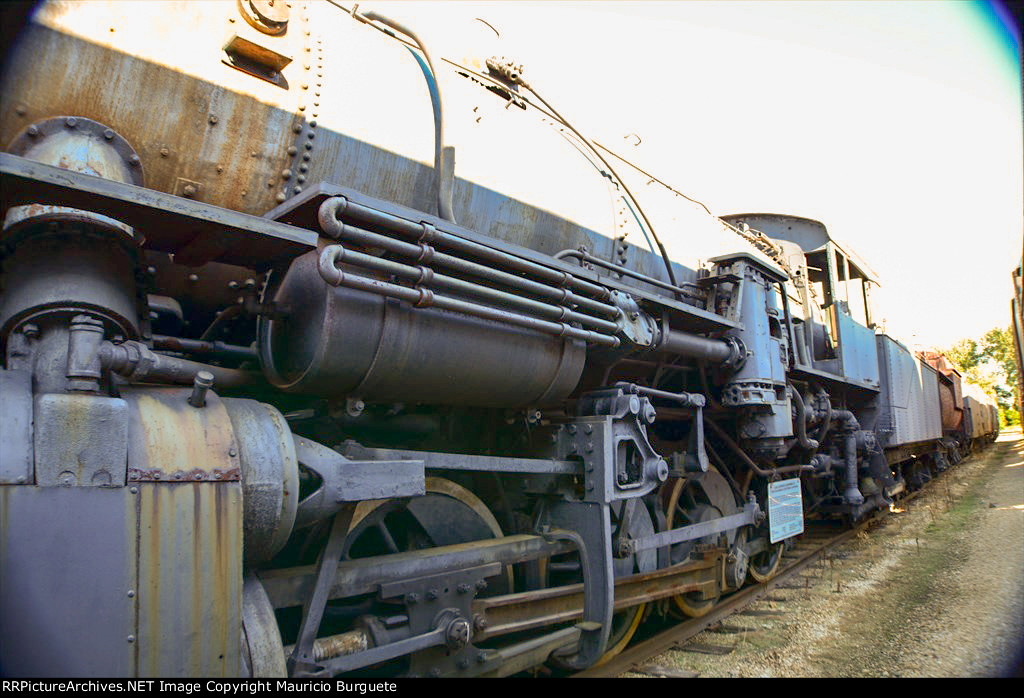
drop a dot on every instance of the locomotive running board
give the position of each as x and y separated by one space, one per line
194 231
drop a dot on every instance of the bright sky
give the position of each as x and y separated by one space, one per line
898 125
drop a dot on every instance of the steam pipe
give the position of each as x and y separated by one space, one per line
750 463
801 421
218 322
422 298
336 207
136 362
196 346
850 427
685 288
444 158
423 253
827 422
425 276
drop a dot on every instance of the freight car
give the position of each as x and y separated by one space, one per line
283 395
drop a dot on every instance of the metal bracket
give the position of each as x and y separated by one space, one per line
347 480
301 662
588 527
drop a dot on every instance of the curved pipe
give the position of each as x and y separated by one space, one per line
750 463
422 297
500 272
228 313
801 421
827 422
852 494
685 288
622 183
444 158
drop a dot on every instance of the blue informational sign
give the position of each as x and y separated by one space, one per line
785 509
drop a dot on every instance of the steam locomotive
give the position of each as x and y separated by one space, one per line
287 393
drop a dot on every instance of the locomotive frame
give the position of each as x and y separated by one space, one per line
342 434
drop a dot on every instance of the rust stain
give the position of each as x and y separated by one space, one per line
98 78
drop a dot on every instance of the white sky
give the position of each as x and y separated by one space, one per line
898 125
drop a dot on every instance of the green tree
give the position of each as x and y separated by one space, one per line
994 352
997 345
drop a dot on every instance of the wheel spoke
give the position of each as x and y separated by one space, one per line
386 535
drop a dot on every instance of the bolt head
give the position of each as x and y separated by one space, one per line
134 160
33 131
189 191
108 134
213 118
71 122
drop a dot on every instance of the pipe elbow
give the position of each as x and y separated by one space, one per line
327 264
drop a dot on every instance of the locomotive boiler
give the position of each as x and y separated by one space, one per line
293 386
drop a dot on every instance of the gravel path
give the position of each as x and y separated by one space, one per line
936 589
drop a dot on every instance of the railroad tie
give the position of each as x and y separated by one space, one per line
701 648
668 672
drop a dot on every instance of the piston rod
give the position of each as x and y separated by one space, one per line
714 351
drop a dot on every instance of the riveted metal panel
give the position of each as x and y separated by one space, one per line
169 440
190 579
80 440
68 583
857 344
909 408
931 415
15 428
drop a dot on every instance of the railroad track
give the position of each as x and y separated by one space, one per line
810 548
